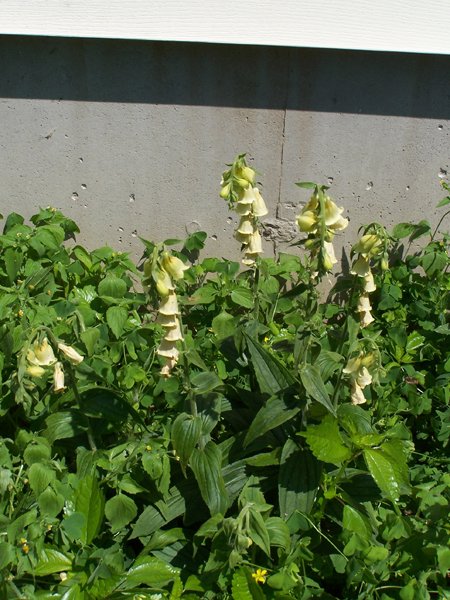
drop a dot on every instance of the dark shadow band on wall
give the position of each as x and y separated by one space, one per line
263 77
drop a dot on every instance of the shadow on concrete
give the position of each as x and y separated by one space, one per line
380 83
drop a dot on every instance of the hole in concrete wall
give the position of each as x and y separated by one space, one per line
442 173
214 237
134 233
369 185
440 127
330 180
120 229
131 198
83 186
74 196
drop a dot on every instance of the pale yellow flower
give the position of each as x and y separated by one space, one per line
365 318
332 212
167 320
58 378
369 283
259 208
41 354
168 349
245 226
174 333
357 395
255 243
164 284
169 305
35 371
243 209
368 245
173 265
248 197
71 353
361 267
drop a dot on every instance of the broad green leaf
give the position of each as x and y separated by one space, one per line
186 431
40 475
89 501
112 287
62 425
13 262
257 531
444 202
205 382
279 534
355 522
50 502
387 465
206 464
326 442
116 317
120 510
7 554
274 413
36 453
224 325
414 341
52 561
271 374
150 571
203 295
298 480
434 262
403 230
314 386
90 337
244 587
243 297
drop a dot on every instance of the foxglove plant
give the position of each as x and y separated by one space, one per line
245 199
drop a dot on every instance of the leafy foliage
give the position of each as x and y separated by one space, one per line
248 471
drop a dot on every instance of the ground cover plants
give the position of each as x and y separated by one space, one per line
226 433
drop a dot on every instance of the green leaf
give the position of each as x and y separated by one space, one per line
224 325
120 510
63 425
51 561
7 554
89 501
205 382
434 262
355 522
314 386
271 374
387 465
444 202
151 571
308 185
326 441
244 586
50 503
40 475
90 337
403 230
116 317
257 531
206 464
186 431
243 297
298 480
203 295
13 262
279 534
112 287
275 412
414 341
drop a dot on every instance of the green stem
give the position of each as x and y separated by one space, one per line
256 275
89 432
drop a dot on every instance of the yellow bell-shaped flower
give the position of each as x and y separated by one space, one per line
169 305
259 208
41 354
307 221
70 353
58 378
173 265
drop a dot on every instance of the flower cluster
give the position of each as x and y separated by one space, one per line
321 218
245 199
164 269
359 368
367 247
41 355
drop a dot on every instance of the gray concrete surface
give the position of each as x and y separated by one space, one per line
130 138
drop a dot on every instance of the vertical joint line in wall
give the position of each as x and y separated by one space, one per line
283 136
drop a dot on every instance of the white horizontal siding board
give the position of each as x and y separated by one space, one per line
389 25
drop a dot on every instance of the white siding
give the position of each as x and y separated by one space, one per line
392 25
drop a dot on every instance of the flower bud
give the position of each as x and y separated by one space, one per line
35 371
307 221
225 191
367 245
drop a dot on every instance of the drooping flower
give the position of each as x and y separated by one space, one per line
169 305
58 378
41 354
173 266
70 353
358 370
35 371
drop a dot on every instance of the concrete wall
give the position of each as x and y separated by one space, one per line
130 138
